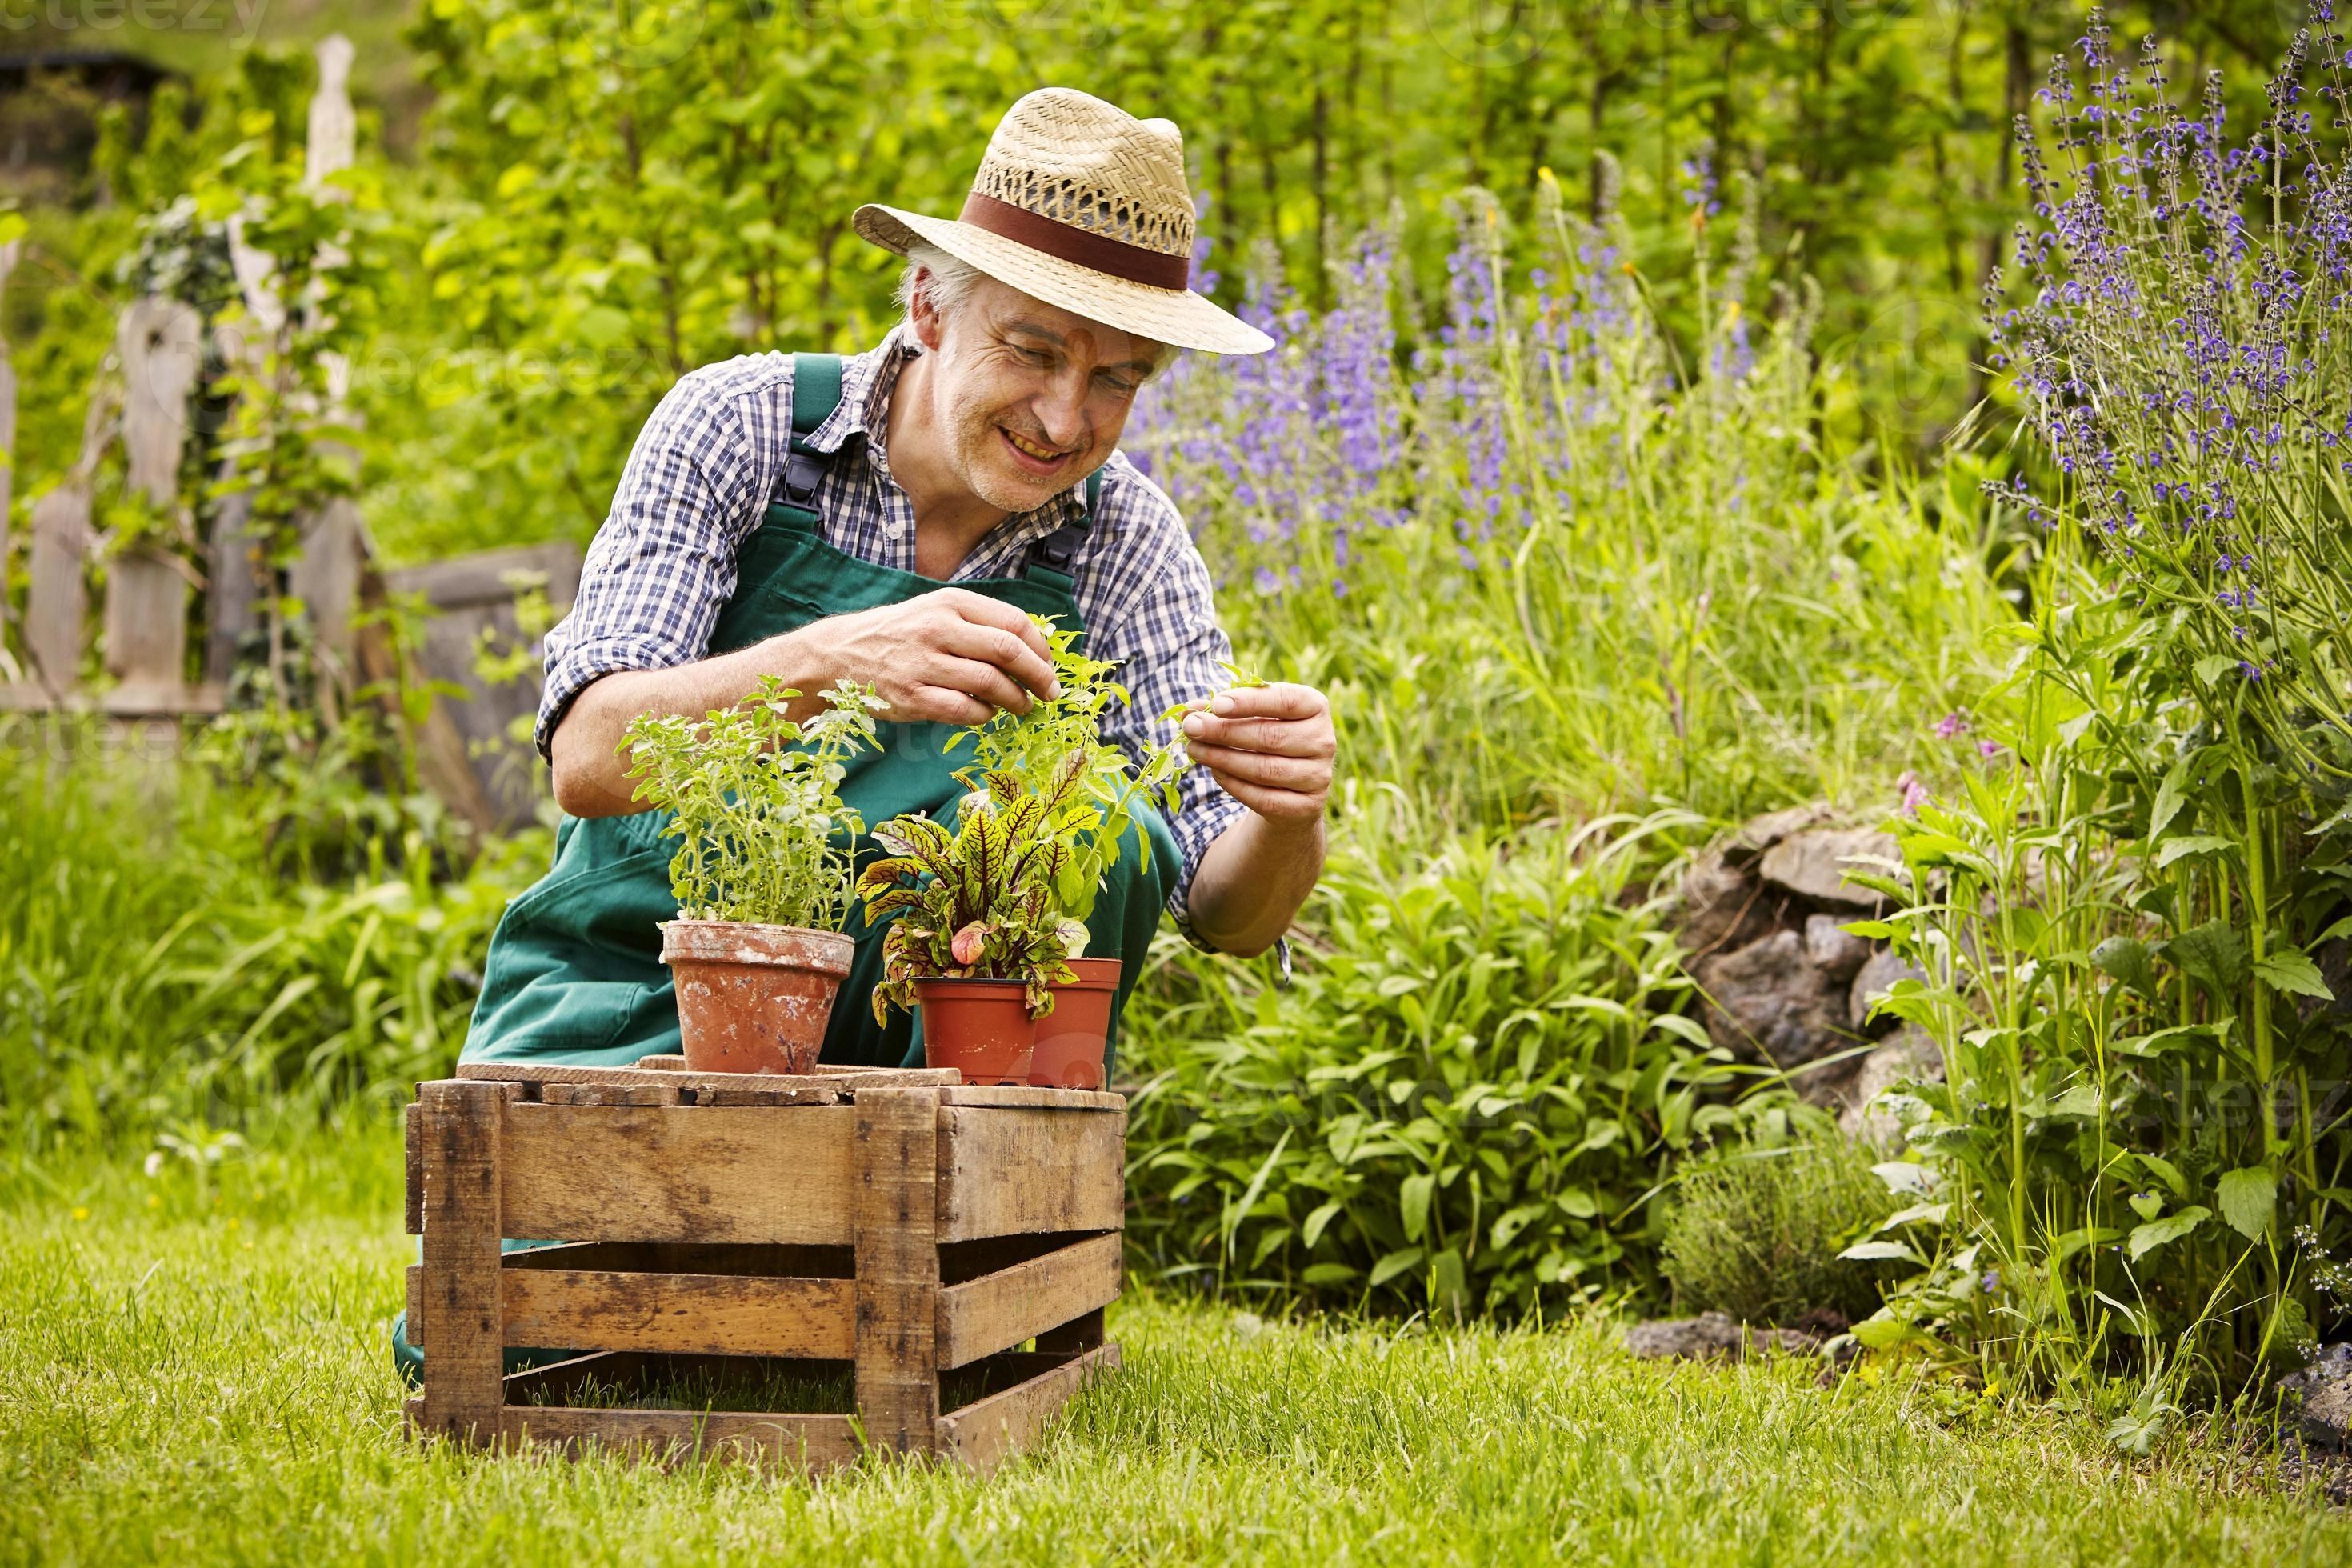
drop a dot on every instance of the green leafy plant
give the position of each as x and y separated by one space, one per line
755 800
977 901
1064 734
1761 1228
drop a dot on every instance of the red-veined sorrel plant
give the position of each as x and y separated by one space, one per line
2134 933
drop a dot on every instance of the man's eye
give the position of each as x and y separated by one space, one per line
1034 356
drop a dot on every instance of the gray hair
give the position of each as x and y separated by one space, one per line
946 282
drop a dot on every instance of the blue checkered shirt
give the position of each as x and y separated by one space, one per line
700 480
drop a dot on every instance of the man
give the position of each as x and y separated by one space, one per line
894 518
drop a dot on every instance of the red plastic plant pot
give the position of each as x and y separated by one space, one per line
753 998
980 1027
1070 1038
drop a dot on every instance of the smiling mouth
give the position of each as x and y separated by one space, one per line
1036 459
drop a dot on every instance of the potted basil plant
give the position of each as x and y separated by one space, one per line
762 870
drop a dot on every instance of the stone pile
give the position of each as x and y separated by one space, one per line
1786 987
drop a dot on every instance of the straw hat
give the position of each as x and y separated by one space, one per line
1079 203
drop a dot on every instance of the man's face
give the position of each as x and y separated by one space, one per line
1031 397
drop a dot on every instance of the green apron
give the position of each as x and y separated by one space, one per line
574 973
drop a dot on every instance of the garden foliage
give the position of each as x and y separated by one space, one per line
1758 1227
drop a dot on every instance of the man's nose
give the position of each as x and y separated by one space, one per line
1063 411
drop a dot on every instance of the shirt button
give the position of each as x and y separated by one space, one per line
891 528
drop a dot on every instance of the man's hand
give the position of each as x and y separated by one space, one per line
1271 747
951 655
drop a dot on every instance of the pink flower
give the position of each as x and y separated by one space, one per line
1914 793
966 943
1951 724
1988 749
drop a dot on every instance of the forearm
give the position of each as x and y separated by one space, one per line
591 770
1252 881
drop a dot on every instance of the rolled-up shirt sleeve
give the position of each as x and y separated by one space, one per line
664 562
1170 650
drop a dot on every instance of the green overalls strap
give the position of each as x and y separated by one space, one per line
574 972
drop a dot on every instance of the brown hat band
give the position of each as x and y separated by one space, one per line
1082 248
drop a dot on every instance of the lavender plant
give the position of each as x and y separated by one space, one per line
2133 933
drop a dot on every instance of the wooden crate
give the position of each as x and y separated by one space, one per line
903 1229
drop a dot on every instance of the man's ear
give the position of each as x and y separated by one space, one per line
924 314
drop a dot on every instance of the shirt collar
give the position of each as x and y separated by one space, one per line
866 381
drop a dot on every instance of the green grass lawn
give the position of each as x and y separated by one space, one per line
195 1371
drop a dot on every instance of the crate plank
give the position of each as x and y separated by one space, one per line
987 1432
998 1311
693 1315
660 1172
813 1442
689 1257
897 1267
1015 1170
463 1338
670 1314
412 1131
1021 1095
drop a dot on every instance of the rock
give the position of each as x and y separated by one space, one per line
1723 907
2320 1398
1877 976
1835 952
1911 1054
1813 865
1769 997
1712 1336
1747 845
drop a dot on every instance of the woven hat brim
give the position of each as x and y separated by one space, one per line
1177 316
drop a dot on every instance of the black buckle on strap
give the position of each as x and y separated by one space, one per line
804 472
1056 549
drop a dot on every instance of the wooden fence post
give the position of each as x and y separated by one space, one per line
160 346
57 600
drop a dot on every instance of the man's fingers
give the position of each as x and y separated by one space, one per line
1281 699
1261 768
1284 737
983 681
1002 650
942 705
982 610
1275 805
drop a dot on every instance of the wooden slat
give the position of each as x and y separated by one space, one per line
412 1130
773 1089
607 1094
1008 1096
706 1173
897 1267
118 701
1006 1171
815 1442
704 1314
462 1337
987 1432
998 1311
57 599
672 1315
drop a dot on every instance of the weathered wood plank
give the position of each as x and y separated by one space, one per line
412 1127
1015 1170
608 1094
1012 1096
811 1091
57 599
706 1173
998 1311
811 1442
987 1432
693 1315
463 1337
897 1267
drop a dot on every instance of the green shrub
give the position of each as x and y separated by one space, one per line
1465 1100
1758 1227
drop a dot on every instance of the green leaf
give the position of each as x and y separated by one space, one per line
1688 1030
2128 961
2082 1101
2214 666
1394 1263
2248 1197
1321 1274
1312 1231
1576 1203
2293 971
1413 1203
2168 1171
2169 795
2190 844
2146 1239
2214 955
1874 1251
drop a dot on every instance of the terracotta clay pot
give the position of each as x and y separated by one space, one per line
1070 1038
980 1027
753 998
